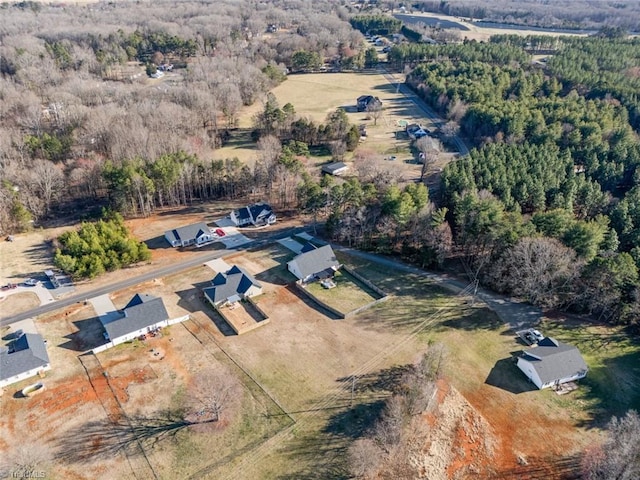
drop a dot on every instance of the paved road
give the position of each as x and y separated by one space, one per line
517 315
426 110
158 273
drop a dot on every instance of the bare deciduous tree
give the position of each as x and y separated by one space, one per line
619 456
364 458
213 394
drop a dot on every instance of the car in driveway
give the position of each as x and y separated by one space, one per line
9 286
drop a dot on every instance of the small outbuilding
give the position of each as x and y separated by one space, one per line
552 363
368 102
335 168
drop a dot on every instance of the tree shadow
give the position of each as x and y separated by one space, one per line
105 439
506 376
90 334
474 319
386 380
312 304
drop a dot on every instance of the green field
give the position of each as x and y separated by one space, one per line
348 294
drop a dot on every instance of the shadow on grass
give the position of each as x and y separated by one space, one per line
507 376
90 334
312 304
566 468
104 440
474 319
193 300
386 380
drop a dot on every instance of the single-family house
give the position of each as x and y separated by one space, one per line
335 168
314 264
258 214
143 314
552 363
25 357
194 234
368 102
416 131
231 287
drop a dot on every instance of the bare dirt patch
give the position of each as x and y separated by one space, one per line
18 302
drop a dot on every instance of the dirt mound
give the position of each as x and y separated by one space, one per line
461 443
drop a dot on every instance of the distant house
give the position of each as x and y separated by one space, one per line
314 263
195 234
231 287
368 102
258 214
143 314
552 363
416 131
335 168
24 358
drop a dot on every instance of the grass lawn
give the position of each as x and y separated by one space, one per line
612 385
348 294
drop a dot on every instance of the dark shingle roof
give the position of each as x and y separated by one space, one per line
188 232
554 360
29 352
243 213
141 311
225 286
316 261
259 210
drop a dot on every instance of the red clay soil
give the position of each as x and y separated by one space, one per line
522 452
61 398
121 384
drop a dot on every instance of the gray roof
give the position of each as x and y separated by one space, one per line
141 311
333 167
188 232
316 261
225 286
27 353
554 360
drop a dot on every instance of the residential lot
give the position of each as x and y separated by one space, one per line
300 368
347 295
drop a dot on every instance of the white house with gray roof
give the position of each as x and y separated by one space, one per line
314 263
258 214
143 314
231 287
25 357
552 363
195 234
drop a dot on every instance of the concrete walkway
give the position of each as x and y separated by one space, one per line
515 314
218 265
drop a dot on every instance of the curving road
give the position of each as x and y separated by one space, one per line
160 272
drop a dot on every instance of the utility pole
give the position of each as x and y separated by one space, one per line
353 388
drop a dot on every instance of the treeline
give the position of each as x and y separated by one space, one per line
554 176
73 97
376 24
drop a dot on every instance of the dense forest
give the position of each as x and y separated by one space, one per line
556 168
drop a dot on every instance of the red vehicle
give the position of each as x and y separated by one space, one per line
9 286
220 232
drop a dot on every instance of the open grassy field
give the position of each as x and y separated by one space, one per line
348 294
314 96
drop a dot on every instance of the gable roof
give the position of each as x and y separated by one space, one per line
554 360
334 167
316 261
188 232
141 311
225 286
27 353
307 247
260 210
